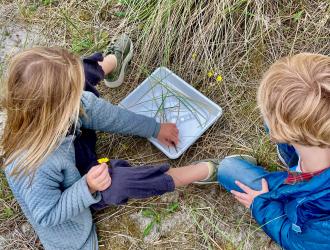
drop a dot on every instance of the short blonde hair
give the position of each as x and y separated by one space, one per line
294 99
41 96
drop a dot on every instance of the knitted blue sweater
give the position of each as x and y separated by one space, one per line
57 202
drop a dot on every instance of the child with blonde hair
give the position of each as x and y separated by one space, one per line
48 143
292 207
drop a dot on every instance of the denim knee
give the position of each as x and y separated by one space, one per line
236 168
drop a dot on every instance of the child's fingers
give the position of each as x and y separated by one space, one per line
239 194
105 184
103 176
242 201
98 170
174 139
170 142
245 188
174 134
167 142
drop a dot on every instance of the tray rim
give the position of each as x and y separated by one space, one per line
154 141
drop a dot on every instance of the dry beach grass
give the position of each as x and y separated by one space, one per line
221 48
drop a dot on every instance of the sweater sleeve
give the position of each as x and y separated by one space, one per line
103 116
50 206
271 216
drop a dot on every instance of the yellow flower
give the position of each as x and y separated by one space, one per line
219 78
194 56
103 160
210 73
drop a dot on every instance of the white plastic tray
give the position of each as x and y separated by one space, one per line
168 98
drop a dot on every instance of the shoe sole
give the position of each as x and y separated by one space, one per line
120 80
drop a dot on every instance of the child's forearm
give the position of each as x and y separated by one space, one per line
103 116
185 175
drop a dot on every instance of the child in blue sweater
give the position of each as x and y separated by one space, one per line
49 143
292 207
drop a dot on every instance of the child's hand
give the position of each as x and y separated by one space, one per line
168 134
247 198
98 178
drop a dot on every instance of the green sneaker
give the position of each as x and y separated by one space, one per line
247 158
213 172
122 48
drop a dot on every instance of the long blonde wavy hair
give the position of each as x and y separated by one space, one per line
41 97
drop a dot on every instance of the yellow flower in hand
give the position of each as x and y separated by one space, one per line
103 160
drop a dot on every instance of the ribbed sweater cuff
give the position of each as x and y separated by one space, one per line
89 199
156 130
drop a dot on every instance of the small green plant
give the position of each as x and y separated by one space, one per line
8 212
81 44
82 39
297 16
120 14
47 2
157 216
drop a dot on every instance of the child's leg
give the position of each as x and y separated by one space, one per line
235 168
183 176
94 72
111 67
108 64
95 69
147 181
85 141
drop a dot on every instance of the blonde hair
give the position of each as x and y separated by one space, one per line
42 98
294 98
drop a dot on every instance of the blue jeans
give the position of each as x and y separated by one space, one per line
236 168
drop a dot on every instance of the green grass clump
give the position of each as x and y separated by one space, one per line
157 216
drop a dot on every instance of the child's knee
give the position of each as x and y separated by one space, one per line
233 169
229 169
229 166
